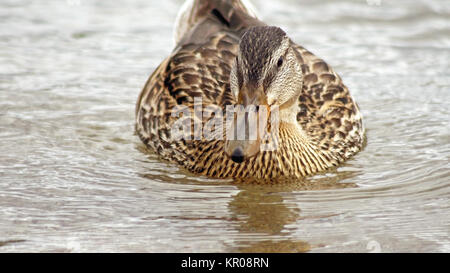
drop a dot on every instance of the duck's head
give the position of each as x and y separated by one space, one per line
265 73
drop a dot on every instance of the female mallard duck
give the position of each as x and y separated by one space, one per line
225 56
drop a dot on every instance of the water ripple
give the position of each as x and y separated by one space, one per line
75 178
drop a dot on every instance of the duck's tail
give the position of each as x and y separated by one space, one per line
232 14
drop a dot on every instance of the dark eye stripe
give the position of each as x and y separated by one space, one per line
273 72
269 77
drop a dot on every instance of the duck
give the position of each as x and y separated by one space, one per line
226 58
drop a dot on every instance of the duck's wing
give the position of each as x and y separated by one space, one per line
327 111
200 19
198 69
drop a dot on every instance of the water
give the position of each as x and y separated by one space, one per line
74 177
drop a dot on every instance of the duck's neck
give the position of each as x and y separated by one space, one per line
292 137
288 111
303 155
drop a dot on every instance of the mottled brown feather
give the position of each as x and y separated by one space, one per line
201 67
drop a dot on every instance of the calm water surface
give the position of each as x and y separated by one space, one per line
74 177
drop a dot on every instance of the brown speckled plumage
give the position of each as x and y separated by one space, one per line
200 66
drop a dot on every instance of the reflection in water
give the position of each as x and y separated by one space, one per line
273 246
3 243
260 209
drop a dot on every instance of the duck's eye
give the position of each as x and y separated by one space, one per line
280 62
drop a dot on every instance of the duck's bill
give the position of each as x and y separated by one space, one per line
246 127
